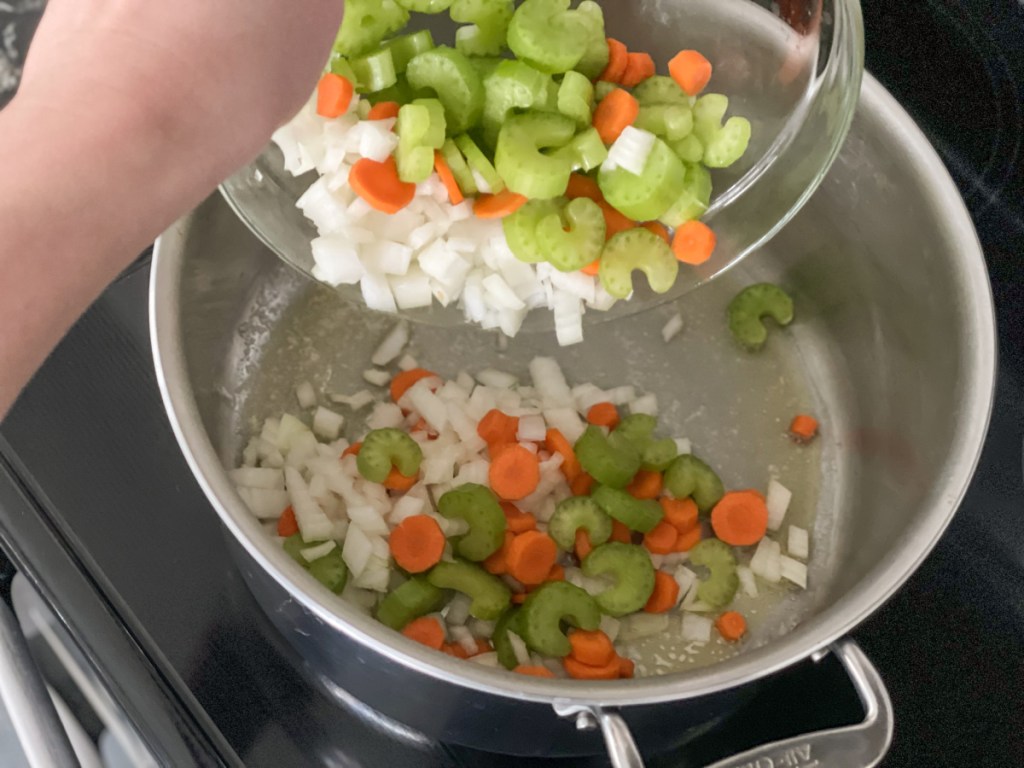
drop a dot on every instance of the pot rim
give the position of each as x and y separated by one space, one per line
811 636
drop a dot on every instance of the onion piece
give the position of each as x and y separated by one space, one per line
696 628
799 543
391 346
377 377
766 561
309 554
777 501
264 503
327 424
793 570
672 328
747 581
305 394
253 477
519 648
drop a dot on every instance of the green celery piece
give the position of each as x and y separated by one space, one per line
330 570
460 170
649 195
638 428
723 581
481 11
595 57
405 48
478 162
414 598
641 249
340 66
510 86
689 476
484 66
375 71
575 238
509 622
708 112
602 88
490 597
693 200
548 36
631 568
520 228
294 545
366 23
750 306
659 454
636 514
487 27
585 152
611 460
575 513
689 149
660 89
672 122
401 93
420 129
521 164
479 507
425 6
454 80
547 607
384 448
576 98
728 145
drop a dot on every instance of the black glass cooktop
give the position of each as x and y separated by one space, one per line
98 508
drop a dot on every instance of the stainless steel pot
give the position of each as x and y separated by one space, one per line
894 349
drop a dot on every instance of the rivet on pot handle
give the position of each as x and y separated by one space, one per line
855 746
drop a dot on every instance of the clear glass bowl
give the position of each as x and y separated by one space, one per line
793 67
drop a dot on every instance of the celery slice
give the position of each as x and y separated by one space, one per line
660 90
375 71
512 85
420 129
641 249
650 194
487 27
576 98
575 238
404 48
521 228
340 66
690 150
478 162
585 152
548 36
366 23
425 6
602 88
460 170
708 112
449 74
520 162
672 122
595 57
693 201
728 145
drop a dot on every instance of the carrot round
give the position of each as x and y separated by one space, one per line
740 518
803 428
378 184
518 598
396 481
533 671
580 671
731 626
404 380
556 442
691 71
286 524
497 428
659 229
687 540
333 95
482 646
591 647
454 649
531 556
514 473
557 573
661 539
618 60
417 543
582 546
603 415
639 67
646 484
626 667
581 484
583 186
497 563
694 242
614 220
592 268
426 630
516 520
498 206
444 173
681 513
621 532
665 594
383 110
616 111
352 450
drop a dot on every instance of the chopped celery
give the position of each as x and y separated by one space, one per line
478 162
404 48
650 194
611 460
728 145
660 90
512 85
575 238
460 170
585 152
708 112
750 306
420 129
602 88
547 35
490 597
630 566
340 66
509 622
595 57
689 476
521 228
671 122
576 98
488 26
641 249
659 454
693 200
484 65
414 598
479 507
366 23
384 448
330 570
547 607
720 587
636 514
401 92
425 6
374 71
519 160
689 149
575 513
638 428
449 74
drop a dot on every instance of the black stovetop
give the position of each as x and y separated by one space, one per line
98 508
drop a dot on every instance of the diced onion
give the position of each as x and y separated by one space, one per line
464 638
766 561
305 394
696 628
793 570
672 328
457 611
313 523
519 648
777 501
489 377
365 517
376 376
550 382
631 150
392 344
683 445
611 627
359 400
264 503
531 429
252 477
309 554
327 424
640 625
648 404
799 543
747 581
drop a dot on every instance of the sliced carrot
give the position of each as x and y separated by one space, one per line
618 60
557 573
426 630
740 518
661 538
404 380
533 671
665 594
639 67
580 671
659 229
593 268
444 173
583 186
333 95
396 481
614 220
626 667
531 556
803 428
583 546
454 649
556 442
417 543
581 484
378 184
691 71
498 428
498 206
603 415
591 647
621 532
681 513
286 524
731 626
519 598
497 563
687 540
383 110
514 473
516 520
694 242
352 450
616 111
482 646
646 484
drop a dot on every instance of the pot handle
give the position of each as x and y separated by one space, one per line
856 746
